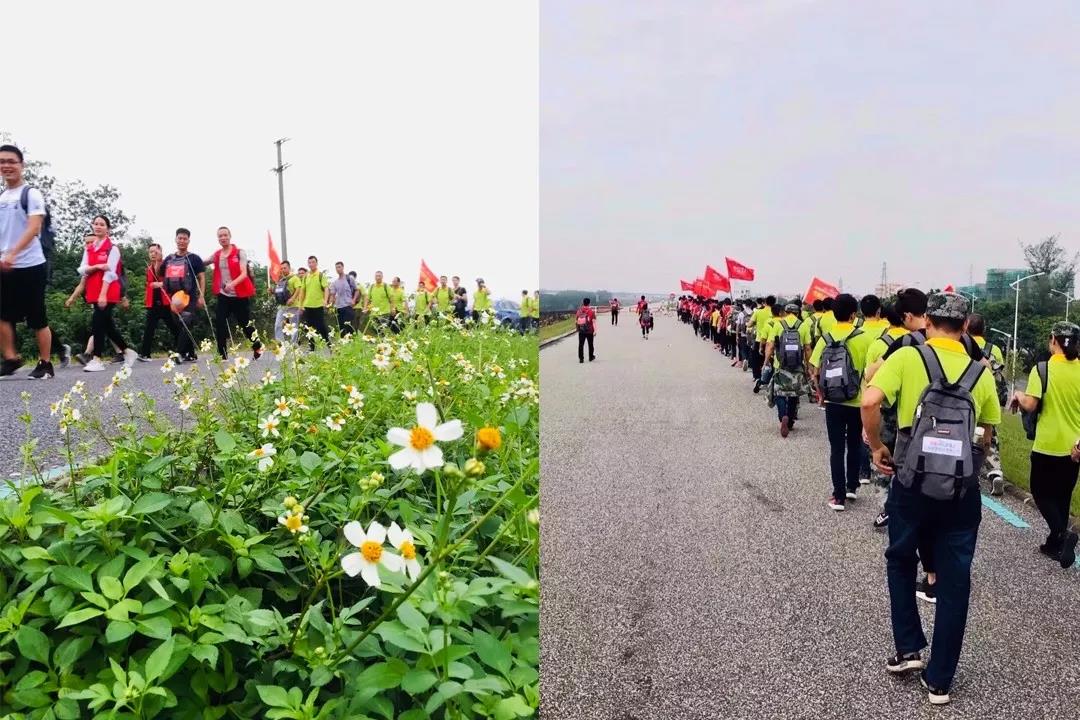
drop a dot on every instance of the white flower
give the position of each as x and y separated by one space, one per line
206 346
241 362
281 407
418 448
265 456
402 540
269 426
356 400
128 399
334 422
75 414
54 408
78 388
409 395
381 361
167 367
282 350
107 391
269 379
372 554
185 402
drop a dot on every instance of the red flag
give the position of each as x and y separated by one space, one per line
950 288
716 281
274 271
819 290
686 286
430 280
737 271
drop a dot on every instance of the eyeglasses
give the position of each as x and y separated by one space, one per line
10 161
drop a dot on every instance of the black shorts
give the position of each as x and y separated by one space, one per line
22 296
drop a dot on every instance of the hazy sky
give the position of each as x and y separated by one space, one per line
804 138
414 127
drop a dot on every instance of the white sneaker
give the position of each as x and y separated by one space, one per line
130 356
95 365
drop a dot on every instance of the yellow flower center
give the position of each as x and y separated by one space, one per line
259 452
408 550
294 523
489 438
421 438
371 551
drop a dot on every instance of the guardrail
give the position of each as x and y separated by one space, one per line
552 316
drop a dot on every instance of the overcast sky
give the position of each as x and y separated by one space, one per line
804 138
414 131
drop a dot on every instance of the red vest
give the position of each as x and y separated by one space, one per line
95 279
152 278
244 289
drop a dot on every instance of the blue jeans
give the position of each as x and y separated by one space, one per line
786 407
951 528
844 426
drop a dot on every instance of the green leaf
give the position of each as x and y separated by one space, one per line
159 660
73 577
34 552
310 462
274 696
118 630
395 633
512 707
225 441
33 644
137 573
201 513
71 650
486 685
411 618
78 616
382 676
511 572
320 676
151 503
417 681
111 588
267 560
492 652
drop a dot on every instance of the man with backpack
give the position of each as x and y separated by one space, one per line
286 292
995 360
585 319
185 271
314 297
26 239
156 303
614 305
234 289
838 362
941 396
789 347
343 293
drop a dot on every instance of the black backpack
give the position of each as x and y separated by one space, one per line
47 237
1031 419
839 381
791 347
281 290
998 370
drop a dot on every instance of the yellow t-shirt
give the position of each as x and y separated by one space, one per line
314 290
857 348
777 330
1059 421
903 378
481 300
875 326
827 323
879 346
423 303
443 296
380 298
291 285
714 319
535 307
995 351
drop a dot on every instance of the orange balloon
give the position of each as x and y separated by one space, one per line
180 301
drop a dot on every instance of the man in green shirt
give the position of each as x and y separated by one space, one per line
286 292
481 300
444 297
382 302
314 297
423 302
525 312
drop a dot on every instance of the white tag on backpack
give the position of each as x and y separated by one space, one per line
942 446
791 348
835 372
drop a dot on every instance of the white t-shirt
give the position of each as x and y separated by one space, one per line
13 224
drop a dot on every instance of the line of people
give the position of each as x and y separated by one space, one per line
912 393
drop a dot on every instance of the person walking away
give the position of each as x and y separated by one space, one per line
102 267
444 297
788 350
461 304
314 297
644 320
360 305
874 325
762 328
24 268
525 312
838 362
156 303
343 296
614 311
185 271
934 490
481 300
585 319
286 292
233 289
995 360
423 302
534 308
1053 392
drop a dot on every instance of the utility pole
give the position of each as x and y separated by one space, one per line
280 170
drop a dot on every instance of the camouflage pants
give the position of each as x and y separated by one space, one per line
785 383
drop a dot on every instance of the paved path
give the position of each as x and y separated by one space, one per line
688 573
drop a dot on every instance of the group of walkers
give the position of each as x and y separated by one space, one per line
176 293
585 322
912 392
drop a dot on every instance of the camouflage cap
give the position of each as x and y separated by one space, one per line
947 306
792 308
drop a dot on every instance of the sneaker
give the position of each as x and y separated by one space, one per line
95 365
851 495
83 358
937 696
130 356
925 591
904 663
1068 550
836 505
65 355
43 371
757 387
864 480
144 358
256 354
118 357
881 521
8 367
997 484
784 428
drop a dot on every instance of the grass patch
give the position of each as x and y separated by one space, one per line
1016 456
556 328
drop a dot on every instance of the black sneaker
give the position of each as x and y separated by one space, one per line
43 371
65 355
8 367
907 662
117 358
144 358
1052 547
83 358
757 387
881 521
1068 550
937 696
926 591
851 495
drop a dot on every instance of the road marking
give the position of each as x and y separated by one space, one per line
1005 513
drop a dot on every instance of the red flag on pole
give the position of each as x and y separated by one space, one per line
274 271
737 271
430 280
950 288
686 286
716 281
819 290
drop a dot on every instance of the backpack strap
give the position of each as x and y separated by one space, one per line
971 375
24 199
934 371
828 338
1044 377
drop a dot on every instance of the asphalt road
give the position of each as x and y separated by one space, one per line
691 568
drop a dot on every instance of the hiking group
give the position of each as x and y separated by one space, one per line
176 294
912 392
585 322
